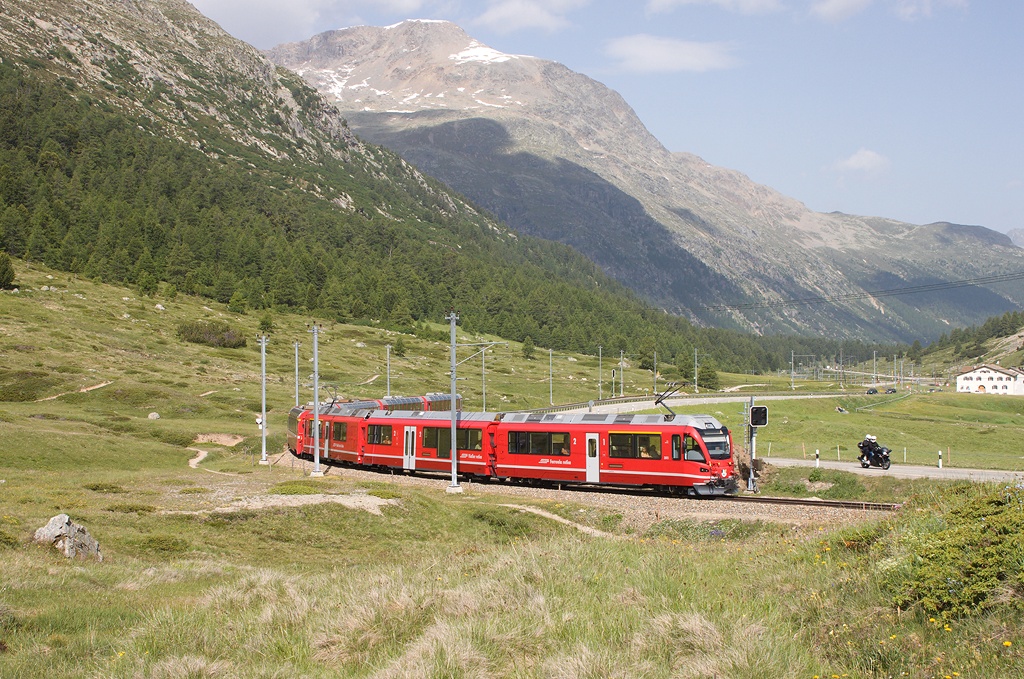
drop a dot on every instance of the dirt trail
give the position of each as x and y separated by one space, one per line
77 391
555 517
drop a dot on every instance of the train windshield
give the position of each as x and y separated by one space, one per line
718 447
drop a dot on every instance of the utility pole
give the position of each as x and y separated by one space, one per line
600 375
874 367
453 318
263 413
622 373
551 380
655 391
296 374
388 348
316 402
695 370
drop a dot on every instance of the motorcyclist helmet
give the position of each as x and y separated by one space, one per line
872 438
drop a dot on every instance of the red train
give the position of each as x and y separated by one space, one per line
690 454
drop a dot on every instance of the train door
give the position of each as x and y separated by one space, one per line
593 458
409 450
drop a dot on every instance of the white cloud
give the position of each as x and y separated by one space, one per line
838 10
864 161
651 54
740 6
834 11
266 23
910 10
506 16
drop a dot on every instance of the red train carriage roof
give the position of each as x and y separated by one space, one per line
702 422
441 416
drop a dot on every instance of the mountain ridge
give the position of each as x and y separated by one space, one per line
406 87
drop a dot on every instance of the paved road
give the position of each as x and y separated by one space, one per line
907 471
648 404
897 470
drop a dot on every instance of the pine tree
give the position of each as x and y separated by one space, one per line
528 348
6 271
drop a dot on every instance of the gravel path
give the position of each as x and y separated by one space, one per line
638 512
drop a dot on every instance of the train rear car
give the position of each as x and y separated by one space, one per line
421 441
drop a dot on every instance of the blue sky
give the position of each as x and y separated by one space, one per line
908 109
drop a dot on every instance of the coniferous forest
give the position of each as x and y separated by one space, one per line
87 189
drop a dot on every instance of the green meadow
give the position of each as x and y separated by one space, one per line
440 585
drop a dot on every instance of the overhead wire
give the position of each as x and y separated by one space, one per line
853 296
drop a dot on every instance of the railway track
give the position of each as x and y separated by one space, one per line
814 502
641 492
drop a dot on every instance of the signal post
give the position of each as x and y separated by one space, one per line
757 417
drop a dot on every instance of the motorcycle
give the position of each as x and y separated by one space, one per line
877 458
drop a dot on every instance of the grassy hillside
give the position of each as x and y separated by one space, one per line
435 585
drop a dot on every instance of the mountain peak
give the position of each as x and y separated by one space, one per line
559 155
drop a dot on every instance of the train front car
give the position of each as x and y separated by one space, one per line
717 440
687 454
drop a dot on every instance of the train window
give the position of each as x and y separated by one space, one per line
518 442
538 443
693 453
468 439
718 447
677 447
379 434
439 438
560 444
645 446
621 445
591 447
308 427
340 431
649 446
444 442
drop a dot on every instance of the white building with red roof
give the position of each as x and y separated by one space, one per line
991 379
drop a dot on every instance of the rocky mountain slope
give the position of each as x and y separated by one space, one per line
559 155
141 145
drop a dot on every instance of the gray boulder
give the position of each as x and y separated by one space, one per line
69 538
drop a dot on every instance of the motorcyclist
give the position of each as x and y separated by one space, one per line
868 448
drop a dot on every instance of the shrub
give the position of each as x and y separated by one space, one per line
131 508
105 488
211 334
6 271
971 560
7 541
163 544
25 385
297 488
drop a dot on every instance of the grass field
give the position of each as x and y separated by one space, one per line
441 585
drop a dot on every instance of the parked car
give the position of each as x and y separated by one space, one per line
891 390
872 390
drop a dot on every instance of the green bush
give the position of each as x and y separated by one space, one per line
505 523
26 385
6 271
131 508
105 488
7 541
211 334
297 488
970 560
163 544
